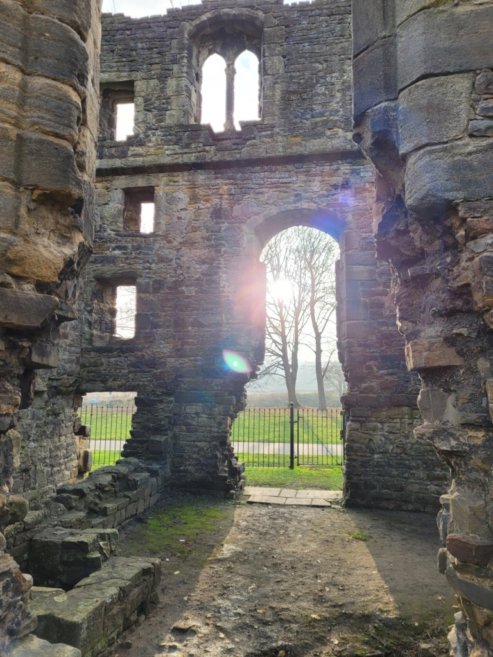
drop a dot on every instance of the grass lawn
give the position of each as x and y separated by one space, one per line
272 425
107 423
101 458
252 425
324 478
258 460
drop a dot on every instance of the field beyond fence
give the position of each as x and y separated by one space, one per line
261 437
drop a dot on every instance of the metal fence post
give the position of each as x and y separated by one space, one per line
291 436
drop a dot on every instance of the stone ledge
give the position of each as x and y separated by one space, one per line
94 614
32 646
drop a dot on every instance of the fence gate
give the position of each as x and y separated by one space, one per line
110 422
286 437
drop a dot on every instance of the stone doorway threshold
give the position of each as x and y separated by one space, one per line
292 496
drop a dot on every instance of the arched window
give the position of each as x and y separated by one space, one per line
246 88
213 92
225 68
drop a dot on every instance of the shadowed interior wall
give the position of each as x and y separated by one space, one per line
48 124
423 104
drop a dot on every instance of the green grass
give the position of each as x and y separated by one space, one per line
324 478
359 535
100 458
107 423
272 425
175 530
282 460
252 425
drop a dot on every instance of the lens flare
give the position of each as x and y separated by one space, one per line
235 362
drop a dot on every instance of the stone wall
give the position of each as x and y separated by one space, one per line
48 124
219 198
424 92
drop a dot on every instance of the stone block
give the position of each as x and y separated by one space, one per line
436 405
481 128
32 646
77 13
436 41
8 155
479 595
55 51
48 165
44 353
372 20
100 607
439 175
25 309
52 108
11 20
71 619
484 82
469 550
428 353
10 93
482 280
485 107
62 557
375 77
9 211
406 8
434 110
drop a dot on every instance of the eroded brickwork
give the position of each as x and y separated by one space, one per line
424 89
48 123
219 198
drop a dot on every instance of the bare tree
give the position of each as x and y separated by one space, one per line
286 311
300 303
318 259
334 378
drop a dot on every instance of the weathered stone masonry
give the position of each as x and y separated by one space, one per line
423 108
219 198
48 124
425 123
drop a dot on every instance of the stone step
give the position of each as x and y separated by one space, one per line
100 607
32 646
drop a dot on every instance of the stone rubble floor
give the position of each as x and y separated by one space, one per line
281 579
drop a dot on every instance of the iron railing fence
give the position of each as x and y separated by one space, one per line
285 437
110 424
261 437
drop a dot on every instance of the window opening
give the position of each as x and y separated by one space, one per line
126 309
147 217
125 120
117 111
246 88
106 423
213 93
139 210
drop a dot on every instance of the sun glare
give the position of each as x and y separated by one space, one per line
282 289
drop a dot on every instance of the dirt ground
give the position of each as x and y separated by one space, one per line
245 580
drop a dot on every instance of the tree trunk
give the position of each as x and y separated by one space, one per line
322 402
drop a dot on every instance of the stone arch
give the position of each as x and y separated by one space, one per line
329 222
213 91
246 87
